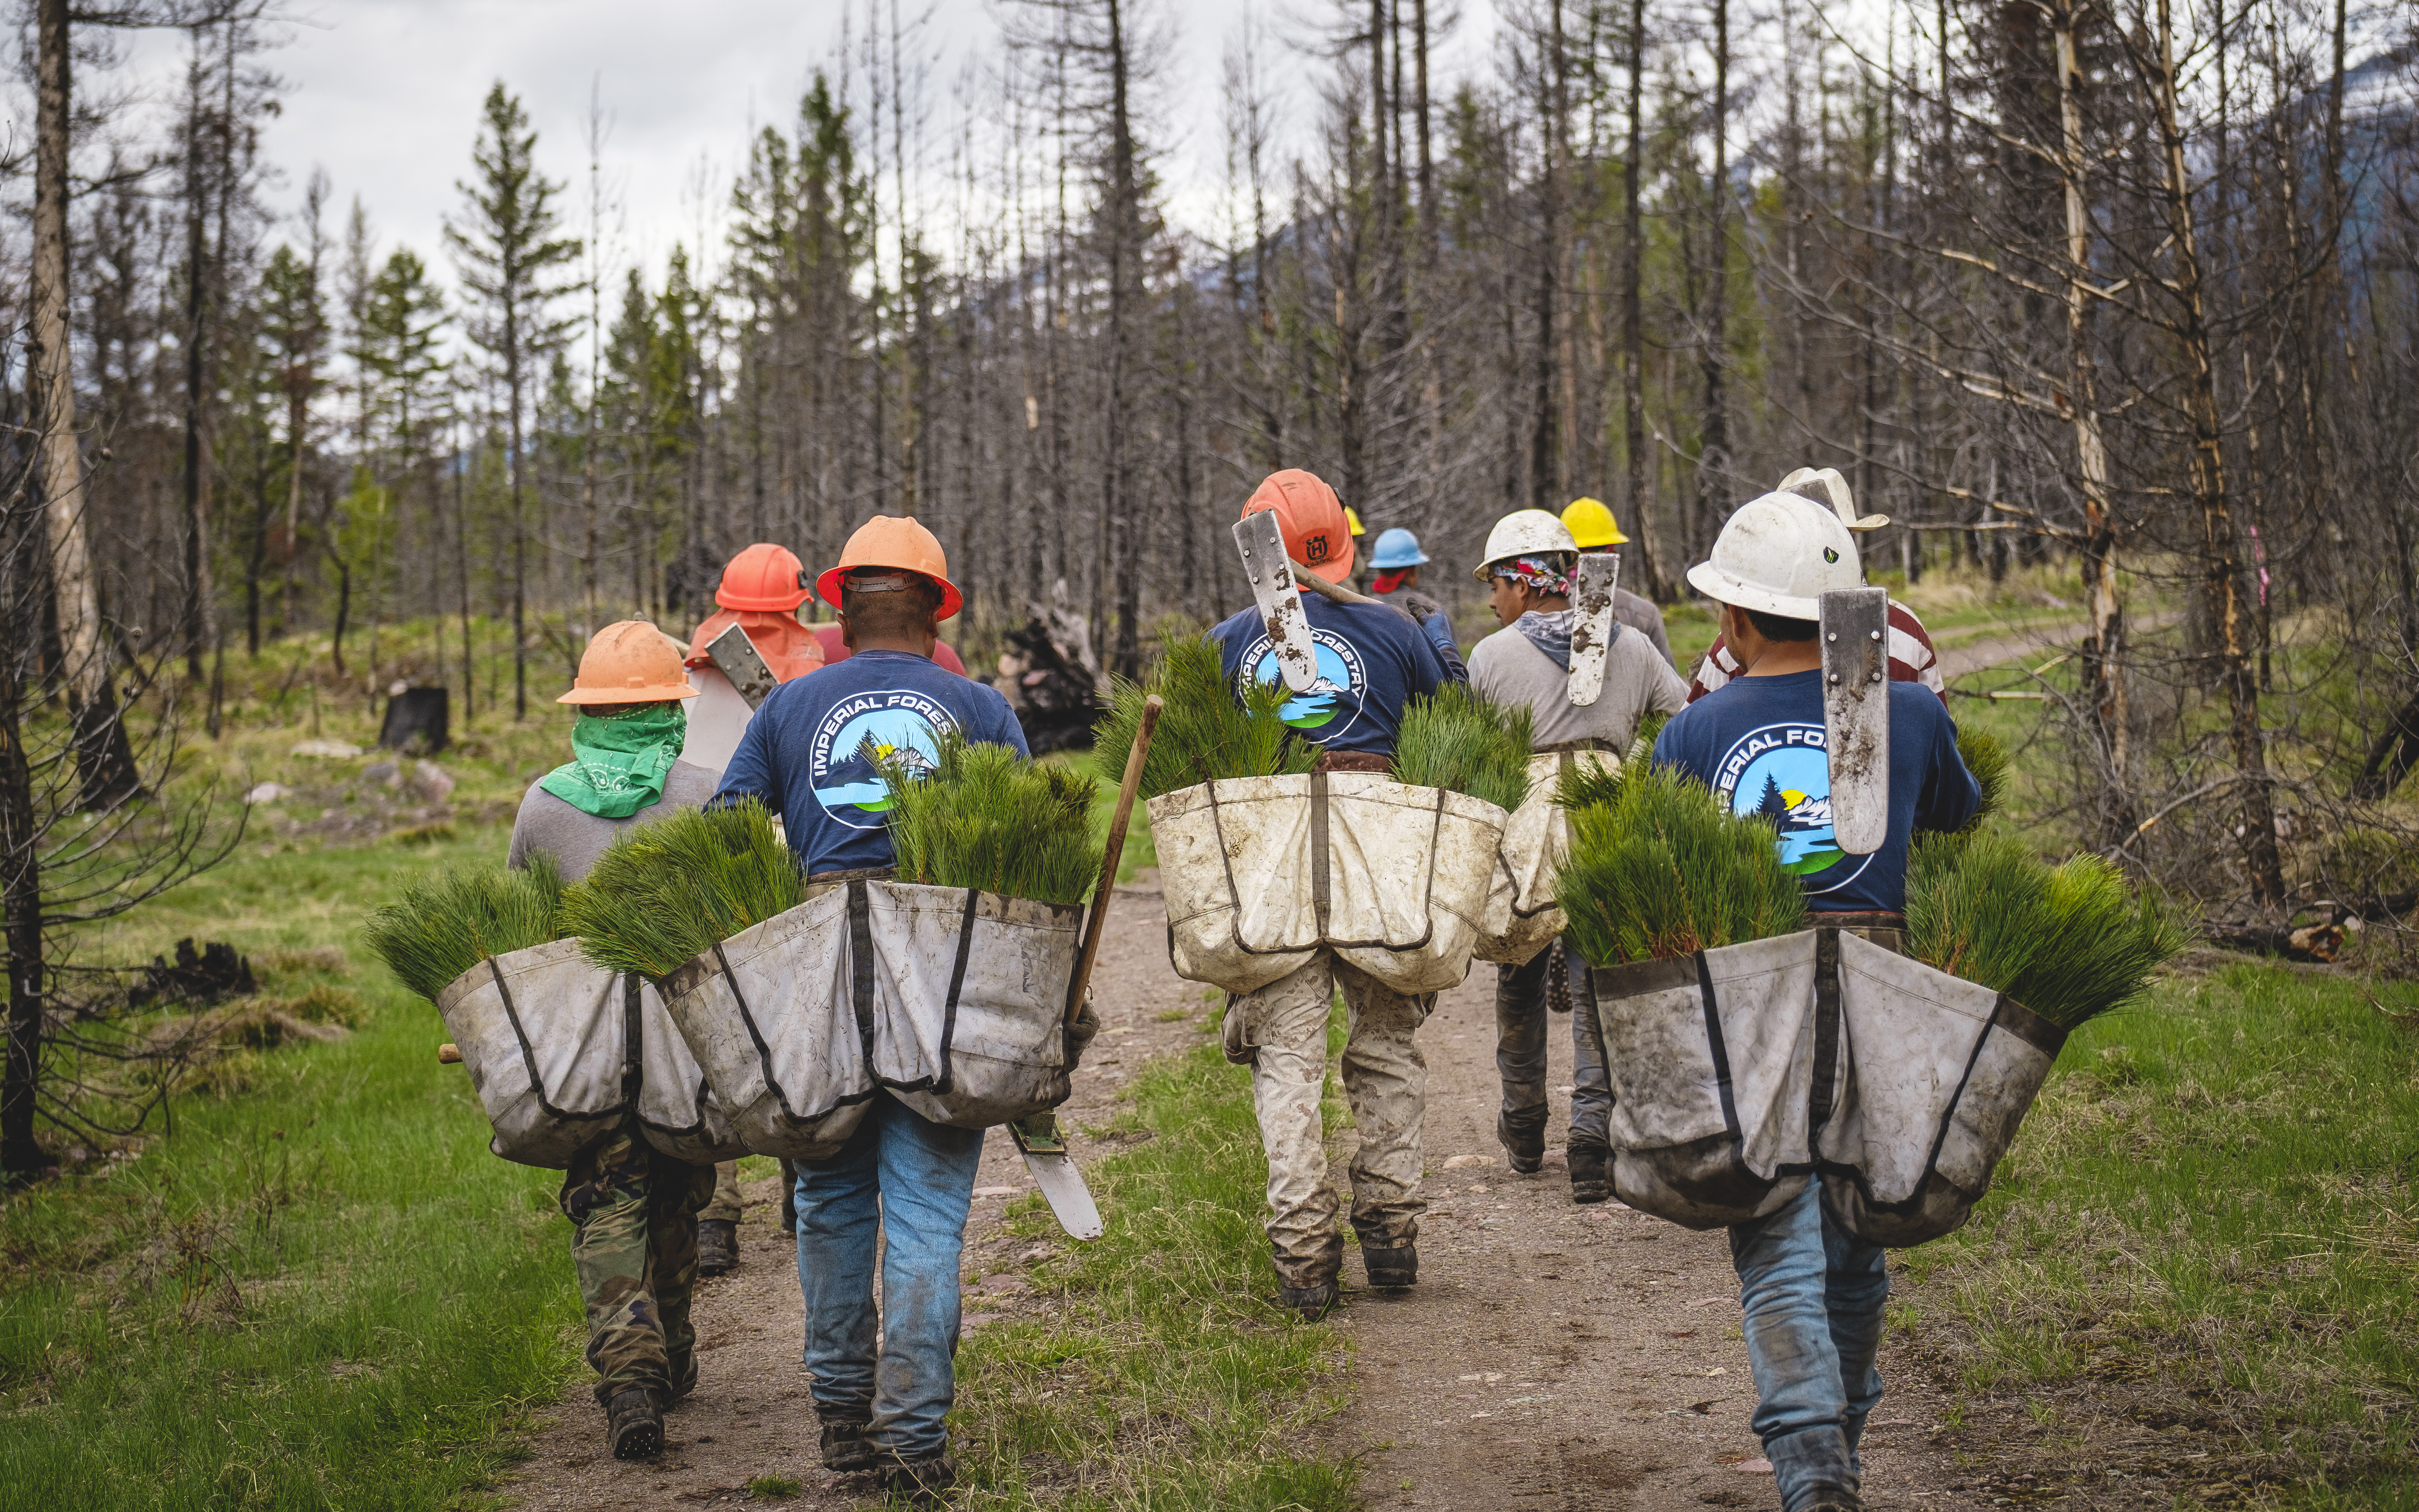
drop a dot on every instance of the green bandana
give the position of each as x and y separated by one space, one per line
619 762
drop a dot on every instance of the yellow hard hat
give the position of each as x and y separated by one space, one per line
1592 524
1353 520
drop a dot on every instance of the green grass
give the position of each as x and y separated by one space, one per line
2211 1220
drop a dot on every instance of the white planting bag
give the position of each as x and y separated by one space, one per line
767 1015
1936 1074
1523 917
1712 1059
1258 872
969 999
677 1110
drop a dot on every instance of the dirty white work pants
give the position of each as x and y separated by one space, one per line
1281 1032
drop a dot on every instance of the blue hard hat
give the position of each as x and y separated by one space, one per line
1397 547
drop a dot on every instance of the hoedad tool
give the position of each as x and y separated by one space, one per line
1261 540
1592 626
1855 715
736 658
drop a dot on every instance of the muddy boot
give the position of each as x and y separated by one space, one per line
718 1246
922 1483
1591 1173
1524 1143
1834 1499
1311 1303
634 1424
1396 1267
845 1445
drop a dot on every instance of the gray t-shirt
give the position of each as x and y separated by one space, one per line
576 840
1507 667
1641 615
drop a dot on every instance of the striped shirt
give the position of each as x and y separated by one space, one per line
1912 658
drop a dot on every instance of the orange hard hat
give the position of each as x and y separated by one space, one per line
893 541
630 662
762 577
1312 520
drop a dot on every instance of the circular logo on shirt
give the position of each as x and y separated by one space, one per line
860 734
1340 670
1782 774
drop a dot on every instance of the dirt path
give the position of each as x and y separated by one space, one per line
1552 1355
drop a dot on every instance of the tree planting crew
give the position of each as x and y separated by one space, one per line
1531 557
1372 661
760 591
1397 561
1912 658
1592 527
810 755
1813 1294
632 1208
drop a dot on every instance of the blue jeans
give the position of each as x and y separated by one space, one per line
1520 1019
1813 1296
912 1180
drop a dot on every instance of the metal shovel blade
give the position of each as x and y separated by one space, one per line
1262 543
1855 715
735 657
1056 1173
1592 626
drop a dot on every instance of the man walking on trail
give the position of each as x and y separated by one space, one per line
1813 1293
760 591
632 1208
1372 661
1911 657
1530 558
1593 528
900 1181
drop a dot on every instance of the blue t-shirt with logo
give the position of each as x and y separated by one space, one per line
1373 659
1758 743
808 753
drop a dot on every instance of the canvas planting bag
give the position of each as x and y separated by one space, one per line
1712 1059
1523 917
1934 1075
559 1052
1259 873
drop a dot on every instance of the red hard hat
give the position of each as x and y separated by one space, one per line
1311 517
762 577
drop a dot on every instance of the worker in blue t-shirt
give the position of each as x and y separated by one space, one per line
1372 661
810 755
1813 1293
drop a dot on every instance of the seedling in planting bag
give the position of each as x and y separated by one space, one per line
440 927
1207 733
1462 743
982 816
669 890
1660 868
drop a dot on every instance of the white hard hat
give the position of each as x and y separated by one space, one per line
1525 533
1779 557
1826 488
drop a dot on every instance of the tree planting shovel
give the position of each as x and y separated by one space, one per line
1279 597
1855 715
1037 1137
1592 627
736 658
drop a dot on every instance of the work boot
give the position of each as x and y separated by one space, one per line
845 1447
718 1246
1396 1267
683 1376
1591 1172
1834 1499
922 1483
1310 1301
635 1423
1525 1148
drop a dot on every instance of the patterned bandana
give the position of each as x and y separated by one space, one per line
619 761
1547 572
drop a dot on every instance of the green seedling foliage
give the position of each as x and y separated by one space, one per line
2070 943
1460 742
671 890
1203 733
984 817
1664 870
441 926
1588 785
1988 760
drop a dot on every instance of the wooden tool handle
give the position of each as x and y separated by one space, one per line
449 1054
1334 593
1110 854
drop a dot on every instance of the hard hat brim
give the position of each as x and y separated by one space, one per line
1721 587
1616 538
661 693
753 601
1870 522
1417 559
828 586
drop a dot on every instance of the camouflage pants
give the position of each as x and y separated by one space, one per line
1281 1031
725 1206
634 1242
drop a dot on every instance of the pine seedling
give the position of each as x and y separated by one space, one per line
981 816
673 889
1460 742
441 926
1589 784
1988 760
1664 869
1204 733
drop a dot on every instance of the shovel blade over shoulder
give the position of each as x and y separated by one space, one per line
1855 715
1261 541
736 658
1592 627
